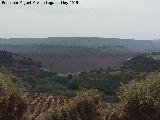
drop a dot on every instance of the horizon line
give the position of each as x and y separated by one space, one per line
75 37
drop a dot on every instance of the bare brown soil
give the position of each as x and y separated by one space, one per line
64 63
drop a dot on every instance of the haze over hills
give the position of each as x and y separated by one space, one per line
78 45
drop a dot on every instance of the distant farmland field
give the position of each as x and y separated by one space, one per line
67 63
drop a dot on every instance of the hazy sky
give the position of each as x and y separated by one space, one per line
138 19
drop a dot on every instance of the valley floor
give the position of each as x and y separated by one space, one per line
68 63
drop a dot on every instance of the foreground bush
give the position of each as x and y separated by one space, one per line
138 101
83 107
12 101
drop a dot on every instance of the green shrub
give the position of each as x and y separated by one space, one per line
12 101
139 100
83 107
87 103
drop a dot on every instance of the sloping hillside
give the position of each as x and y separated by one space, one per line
142 63
19 66
156 55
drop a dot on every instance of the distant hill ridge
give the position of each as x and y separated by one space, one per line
78 45
72 41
